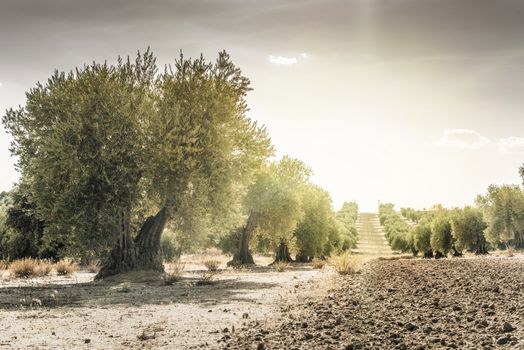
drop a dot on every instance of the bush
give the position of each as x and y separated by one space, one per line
318 263
280 266
29 267
346 264
65 267
211 264
43 268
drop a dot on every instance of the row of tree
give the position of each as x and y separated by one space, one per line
111 156
497 221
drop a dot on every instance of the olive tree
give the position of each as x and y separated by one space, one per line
273 208
503 208
113 153
441 239
422 237
468 227
317 226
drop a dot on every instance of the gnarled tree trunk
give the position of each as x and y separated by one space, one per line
481 248
141 253
283 253
243 255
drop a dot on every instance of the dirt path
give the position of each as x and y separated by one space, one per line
458 303
75 313
371 239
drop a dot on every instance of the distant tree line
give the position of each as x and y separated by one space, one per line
497 221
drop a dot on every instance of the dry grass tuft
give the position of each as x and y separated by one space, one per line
43 268
318 263
29 267
93 266
510 252
174 272
206 279
65 267
346 264
280 266
3 265
211 264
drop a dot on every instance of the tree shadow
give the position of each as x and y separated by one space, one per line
222 289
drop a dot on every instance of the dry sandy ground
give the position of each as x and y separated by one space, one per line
455 303
76 313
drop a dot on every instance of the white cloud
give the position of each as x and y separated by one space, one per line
462 139
512 144
304 55
284 61
1 84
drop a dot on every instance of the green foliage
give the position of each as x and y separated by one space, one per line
397 230
316 234
468 227
22 232
274 200
503 209
412 214
441 238
228 243
112 143
346 218
422 237
170 246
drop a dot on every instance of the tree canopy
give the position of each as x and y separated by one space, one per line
105 146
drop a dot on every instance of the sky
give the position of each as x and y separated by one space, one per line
414 102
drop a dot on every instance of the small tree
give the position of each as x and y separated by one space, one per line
441 238
422 238
468 230
317 225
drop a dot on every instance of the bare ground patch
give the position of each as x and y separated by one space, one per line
74 312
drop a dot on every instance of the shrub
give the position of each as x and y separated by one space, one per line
65 267
318 263
43 268
211 264
3 265
346 264
280 266
29 267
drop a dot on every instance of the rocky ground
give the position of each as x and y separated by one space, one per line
459 303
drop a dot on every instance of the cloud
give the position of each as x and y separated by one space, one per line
462 139
304 55
512 144
1 84
283 61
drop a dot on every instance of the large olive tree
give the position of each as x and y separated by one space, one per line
115 152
